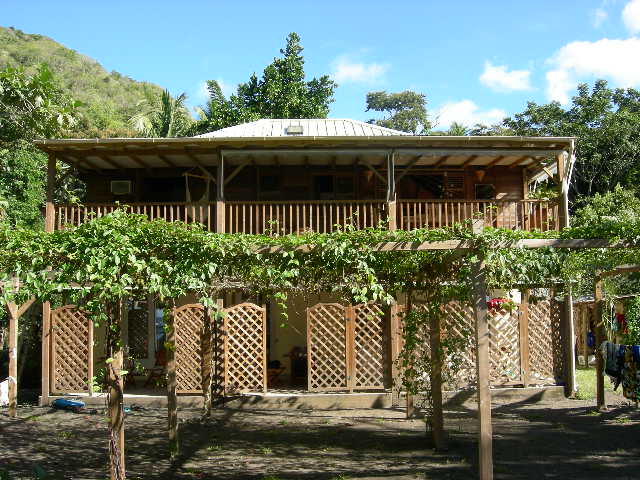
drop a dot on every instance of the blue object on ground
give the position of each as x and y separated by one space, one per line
65 404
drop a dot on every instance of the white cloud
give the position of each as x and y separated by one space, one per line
631 16
467 113
498 78
345 70
611 59
598 17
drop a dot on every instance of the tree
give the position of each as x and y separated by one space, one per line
607 126
405 111
282 92
167 118
457 129
31 106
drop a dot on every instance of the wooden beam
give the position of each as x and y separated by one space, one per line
440 161
235 172
170 163
485 441
494 161
620 270
113 163
377 174
140 162
408 168
469 160
518 162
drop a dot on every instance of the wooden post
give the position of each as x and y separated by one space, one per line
485 447
172 397
265 364
394 352
220 204
569 344
90 356
524 339
599 333
49 223
207 360
116 401
46 353
586 313
350 320
13 359
437 419
391 192
411 410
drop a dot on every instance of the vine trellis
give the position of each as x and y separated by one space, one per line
103 262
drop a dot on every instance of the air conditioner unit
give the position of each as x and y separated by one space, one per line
121 187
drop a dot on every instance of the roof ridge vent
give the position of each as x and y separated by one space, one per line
294 130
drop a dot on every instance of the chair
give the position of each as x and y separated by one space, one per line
298 357
157 372
274 370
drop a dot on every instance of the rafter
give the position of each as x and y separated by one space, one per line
469 160
518 162
495 161
441 161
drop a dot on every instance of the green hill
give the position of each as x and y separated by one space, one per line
109 98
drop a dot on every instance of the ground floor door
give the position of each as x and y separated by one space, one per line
346 347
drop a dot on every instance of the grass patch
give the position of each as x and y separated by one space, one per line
586 380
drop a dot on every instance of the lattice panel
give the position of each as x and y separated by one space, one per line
245 348
459 323
70 349
326 337
188 322
138 320
504 347
369 346
545 342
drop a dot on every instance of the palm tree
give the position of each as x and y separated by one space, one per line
169 118
458 130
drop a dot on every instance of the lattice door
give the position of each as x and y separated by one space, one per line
327 347
370 349
504 347
245 346
138 333
70 349
188 322
546 361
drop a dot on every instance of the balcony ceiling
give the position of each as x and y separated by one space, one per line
409 150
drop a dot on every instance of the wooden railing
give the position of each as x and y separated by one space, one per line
510 214
321 216
172 211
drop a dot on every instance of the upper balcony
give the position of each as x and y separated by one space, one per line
293 176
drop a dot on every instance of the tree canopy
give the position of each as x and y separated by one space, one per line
405 111
606 123
281 92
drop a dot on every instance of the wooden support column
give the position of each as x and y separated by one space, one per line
600 337
116 400
391 191
485 441
394 352
172 397
569 337
49 224
13 360
524 339
207 359
437 417
220 203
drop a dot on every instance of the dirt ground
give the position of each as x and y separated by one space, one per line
563 439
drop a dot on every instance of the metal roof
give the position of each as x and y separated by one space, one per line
309 127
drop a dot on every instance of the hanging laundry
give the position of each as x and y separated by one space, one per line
621 364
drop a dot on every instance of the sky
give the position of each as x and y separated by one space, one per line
476 62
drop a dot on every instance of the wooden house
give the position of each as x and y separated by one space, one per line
290 176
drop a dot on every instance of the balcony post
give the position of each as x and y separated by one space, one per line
391 191
49 226
220 206
566 310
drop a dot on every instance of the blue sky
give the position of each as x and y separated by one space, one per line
475 61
